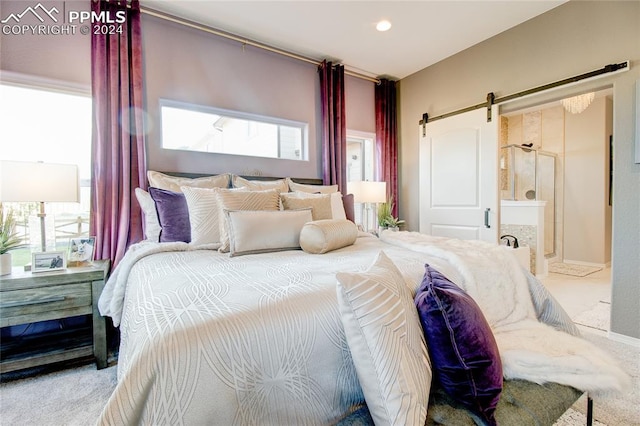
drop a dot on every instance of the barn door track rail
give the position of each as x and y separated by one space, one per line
492 100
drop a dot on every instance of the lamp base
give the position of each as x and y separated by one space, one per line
5 264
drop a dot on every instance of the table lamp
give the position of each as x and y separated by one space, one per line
368 193
22 181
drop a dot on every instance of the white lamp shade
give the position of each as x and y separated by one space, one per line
22 181
368 192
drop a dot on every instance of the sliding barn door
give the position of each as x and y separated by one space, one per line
459 177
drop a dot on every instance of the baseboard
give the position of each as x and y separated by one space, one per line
632 341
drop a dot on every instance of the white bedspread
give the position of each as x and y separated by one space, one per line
212 339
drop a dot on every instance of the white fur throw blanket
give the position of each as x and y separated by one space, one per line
529 350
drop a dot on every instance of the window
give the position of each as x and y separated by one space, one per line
54 127
360 156
206 129
361 166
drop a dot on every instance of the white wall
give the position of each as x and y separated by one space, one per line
586 194
571 39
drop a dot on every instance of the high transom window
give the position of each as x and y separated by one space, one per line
206 129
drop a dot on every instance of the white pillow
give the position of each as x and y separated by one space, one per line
203 214
312 189
148 207
261 231
173 183
387 344
337 206
279 185
322 236
242 200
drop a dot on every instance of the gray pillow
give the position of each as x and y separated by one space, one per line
548 310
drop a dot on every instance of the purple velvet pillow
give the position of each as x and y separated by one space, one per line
173 215
347 202
463 351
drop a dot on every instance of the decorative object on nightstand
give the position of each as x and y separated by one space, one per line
22 181
81 251
9 239
27 297
368 193
48 261
386 219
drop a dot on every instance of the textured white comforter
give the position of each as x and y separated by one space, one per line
212 339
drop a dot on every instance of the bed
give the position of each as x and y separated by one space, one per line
210 337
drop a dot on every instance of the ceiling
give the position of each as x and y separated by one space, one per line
422 32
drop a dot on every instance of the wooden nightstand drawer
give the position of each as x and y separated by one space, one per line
39 304
27 298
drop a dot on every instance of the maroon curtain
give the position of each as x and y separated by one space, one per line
334 126
387 138
118 150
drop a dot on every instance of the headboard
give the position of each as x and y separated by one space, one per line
306 181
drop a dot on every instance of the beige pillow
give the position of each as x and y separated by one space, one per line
173 183
322 236
148 207
312 189
229 199
253 231
337 205
279 185
320 204
386 341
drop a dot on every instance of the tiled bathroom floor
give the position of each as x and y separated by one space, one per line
579 294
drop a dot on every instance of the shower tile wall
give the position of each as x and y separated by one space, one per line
545 130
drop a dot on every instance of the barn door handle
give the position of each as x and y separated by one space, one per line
486 218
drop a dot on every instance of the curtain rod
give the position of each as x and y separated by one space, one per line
245 41
491 100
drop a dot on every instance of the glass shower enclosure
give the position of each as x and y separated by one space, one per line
528 174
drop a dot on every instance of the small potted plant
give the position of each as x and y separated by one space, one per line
9 239
386 219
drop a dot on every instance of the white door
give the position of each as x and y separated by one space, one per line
459 177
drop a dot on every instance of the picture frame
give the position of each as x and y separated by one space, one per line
81 251
48 261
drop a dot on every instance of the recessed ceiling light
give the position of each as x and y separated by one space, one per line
383 25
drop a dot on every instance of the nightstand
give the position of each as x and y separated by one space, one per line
27 297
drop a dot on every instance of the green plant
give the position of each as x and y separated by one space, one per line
9 238
385 218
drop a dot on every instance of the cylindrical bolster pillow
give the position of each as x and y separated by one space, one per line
321 236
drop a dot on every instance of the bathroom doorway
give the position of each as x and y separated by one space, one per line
555 174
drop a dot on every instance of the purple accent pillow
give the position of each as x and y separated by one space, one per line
173 215
347 202
463 351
